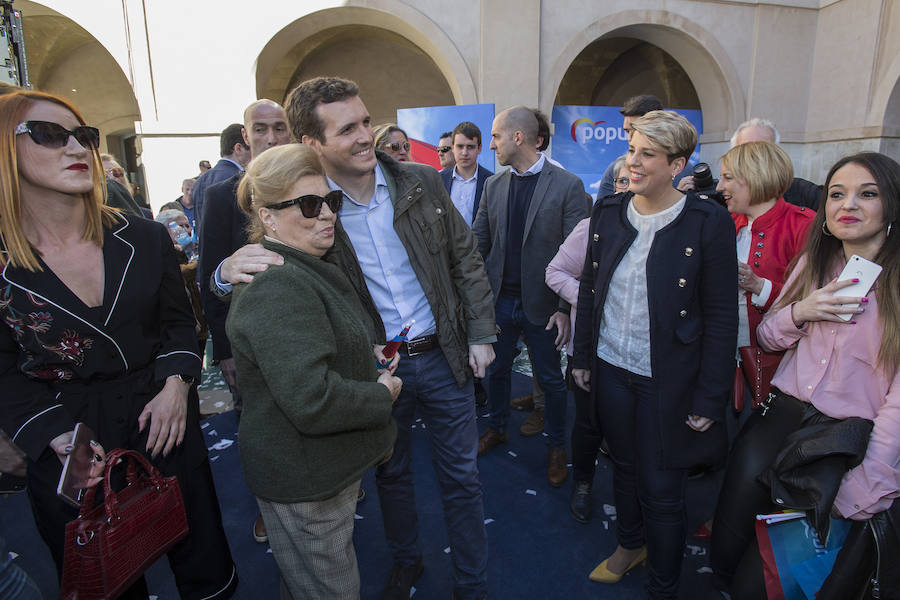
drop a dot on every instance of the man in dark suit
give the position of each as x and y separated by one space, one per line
524 215
465 181
235 156
224 230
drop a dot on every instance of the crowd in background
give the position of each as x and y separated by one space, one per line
704 332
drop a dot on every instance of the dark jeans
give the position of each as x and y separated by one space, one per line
545 366
448 413
649 500
15 584
742 496
586 434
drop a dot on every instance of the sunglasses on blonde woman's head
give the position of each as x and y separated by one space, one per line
622 181
395 146
311 205
54 135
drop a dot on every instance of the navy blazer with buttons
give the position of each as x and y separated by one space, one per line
483 174
692 297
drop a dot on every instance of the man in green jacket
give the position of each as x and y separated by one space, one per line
411 258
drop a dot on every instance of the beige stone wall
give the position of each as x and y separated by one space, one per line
825 71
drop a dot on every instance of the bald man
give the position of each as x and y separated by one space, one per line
224 230
524 215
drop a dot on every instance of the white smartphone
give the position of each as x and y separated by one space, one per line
864 270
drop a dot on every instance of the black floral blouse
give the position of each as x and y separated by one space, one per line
52 337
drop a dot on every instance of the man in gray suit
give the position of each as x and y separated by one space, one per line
525 213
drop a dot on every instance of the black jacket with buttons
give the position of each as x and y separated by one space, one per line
692 298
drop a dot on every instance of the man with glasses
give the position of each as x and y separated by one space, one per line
440 283
465 181
445 150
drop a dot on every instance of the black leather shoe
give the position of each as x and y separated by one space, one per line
581 503
481 398
402 579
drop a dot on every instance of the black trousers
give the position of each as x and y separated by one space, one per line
586 434
734 554
649 499
202 562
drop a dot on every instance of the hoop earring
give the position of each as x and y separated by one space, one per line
825 230
889 230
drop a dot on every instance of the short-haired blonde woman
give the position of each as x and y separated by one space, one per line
317 413
655 334
392 140
770 232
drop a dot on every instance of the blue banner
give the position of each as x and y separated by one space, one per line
587 139
425 125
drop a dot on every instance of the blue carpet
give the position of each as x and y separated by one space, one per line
537 550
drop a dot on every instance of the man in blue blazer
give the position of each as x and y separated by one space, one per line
525 214
465 181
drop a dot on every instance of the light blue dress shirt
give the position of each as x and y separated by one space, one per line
390 277
462 194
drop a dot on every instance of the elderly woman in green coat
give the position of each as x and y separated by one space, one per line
317 411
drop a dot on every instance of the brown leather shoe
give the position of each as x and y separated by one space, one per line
489 440
557 471
523 403
534 424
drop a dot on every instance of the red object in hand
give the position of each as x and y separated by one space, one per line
392 346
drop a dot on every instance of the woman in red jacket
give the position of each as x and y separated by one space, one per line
770 233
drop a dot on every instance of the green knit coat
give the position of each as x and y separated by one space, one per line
314 418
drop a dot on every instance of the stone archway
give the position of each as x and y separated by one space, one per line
66 60
398 58
612 69
694 49
885 110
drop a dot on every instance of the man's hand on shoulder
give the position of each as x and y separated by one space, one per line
252 258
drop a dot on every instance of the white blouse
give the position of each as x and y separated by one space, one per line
624 336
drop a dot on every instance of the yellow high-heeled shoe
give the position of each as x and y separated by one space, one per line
602 574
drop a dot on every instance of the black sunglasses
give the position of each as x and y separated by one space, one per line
395 146
443 149
54 135
311 205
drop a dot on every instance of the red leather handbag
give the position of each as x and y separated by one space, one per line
108 547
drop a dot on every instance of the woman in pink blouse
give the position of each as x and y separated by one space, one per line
563 276
832 369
